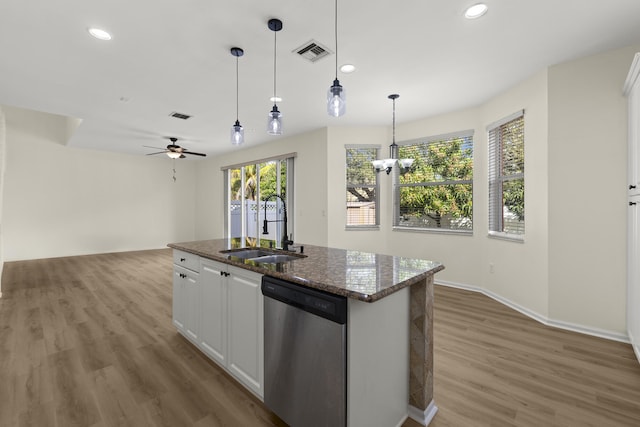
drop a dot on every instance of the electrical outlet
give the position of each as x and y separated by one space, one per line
491 269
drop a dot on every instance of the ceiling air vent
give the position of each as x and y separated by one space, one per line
180 115
312 51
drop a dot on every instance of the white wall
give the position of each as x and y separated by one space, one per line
520 270
310 191
588 173
61 201
570 270
3 151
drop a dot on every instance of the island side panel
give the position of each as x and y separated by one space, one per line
378 361
421 352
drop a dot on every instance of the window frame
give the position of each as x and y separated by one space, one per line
468 133
289 158
375 226
496 179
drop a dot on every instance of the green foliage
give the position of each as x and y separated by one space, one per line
512 139
268 181
361 177
442 161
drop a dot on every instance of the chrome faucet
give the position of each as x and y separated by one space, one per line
265 230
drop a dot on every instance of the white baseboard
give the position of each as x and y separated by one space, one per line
423 417
610 335
634 345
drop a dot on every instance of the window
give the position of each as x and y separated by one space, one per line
246 187
362 187
506 177
437 193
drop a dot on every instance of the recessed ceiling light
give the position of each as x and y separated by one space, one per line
476 11
275 99
99 34
348 68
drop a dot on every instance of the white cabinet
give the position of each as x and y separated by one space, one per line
220 310
245 326
632 91
185 300
213 310
633 274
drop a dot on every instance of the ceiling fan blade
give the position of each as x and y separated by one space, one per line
159 152
157 148
195 154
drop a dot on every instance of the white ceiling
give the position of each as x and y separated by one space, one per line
174 56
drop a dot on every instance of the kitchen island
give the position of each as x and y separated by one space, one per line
384 292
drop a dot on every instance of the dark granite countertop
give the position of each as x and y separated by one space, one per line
364 276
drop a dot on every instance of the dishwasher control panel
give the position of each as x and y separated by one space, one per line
330 306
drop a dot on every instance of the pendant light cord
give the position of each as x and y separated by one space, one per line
336 35
275 48
237 89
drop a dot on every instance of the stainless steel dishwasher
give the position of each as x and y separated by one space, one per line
305 354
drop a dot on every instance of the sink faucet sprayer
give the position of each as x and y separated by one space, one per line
285 239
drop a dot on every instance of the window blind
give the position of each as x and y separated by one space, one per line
361 186
506 175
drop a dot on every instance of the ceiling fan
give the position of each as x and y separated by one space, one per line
175 151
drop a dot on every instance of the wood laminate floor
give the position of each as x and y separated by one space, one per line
88 341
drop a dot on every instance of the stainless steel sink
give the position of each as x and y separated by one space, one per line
261 256
248 253
274 259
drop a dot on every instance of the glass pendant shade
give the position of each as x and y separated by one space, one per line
174 154
237 133
274 121
336 100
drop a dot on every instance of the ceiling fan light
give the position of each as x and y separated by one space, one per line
174 154
237 134
336 100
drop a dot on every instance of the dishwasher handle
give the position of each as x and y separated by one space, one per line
328 306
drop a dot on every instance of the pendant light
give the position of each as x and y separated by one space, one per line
336 96
387 164
274 121
237 131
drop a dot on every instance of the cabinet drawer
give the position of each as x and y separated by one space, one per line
186 260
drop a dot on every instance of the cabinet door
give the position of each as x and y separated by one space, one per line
191 306
246 351
632 91
634 139
633 274
178 298
213 310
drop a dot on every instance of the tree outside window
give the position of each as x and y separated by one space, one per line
362 187
437 193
